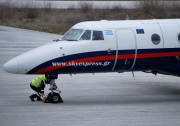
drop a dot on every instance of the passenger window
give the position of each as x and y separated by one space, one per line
98 35
155 38
86 35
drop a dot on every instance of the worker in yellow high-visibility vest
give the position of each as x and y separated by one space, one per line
38 85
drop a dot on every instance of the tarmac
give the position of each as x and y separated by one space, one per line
102 99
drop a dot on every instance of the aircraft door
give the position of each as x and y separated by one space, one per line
126 50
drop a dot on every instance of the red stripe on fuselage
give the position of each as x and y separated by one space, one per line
148 55
154 55
111 57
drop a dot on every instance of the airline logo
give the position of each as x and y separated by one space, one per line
75 64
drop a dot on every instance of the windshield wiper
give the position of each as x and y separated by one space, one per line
55 40
71 40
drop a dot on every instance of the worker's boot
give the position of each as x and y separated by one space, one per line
32 97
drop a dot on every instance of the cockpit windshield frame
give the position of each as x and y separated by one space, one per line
73 35
87 35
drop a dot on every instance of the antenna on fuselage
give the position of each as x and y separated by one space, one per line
133 74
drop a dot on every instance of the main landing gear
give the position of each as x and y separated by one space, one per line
54 96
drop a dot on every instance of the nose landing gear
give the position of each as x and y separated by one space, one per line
54 96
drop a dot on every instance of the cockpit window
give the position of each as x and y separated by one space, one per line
86 35
98 35
73 35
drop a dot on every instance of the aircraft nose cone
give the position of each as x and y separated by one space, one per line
12 66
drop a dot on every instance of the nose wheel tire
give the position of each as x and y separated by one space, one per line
55 98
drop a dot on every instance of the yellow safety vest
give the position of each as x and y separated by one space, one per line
37 81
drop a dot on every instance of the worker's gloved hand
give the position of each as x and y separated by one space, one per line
42 94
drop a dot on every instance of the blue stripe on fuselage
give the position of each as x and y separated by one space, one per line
138 65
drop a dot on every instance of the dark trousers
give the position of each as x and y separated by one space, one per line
38 90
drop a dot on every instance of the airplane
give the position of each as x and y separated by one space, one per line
151 46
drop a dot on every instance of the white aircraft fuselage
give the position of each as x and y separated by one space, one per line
107 46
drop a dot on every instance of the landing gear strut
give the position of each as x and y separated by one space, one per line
54 95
